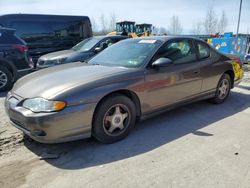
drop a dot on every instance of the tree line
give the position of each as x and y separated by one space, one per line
211 23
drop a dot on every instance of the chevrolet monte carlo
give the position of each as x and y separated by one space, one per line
131 80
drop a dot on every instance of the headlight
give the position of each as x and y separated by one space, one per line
43 105
53 62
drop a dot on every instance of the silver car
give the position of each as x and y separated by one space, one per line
83 51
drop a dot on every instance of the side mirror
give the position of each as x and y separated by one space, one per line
162 62
98 49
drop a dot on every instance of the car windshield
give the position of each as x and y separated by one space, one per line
129 53
87 44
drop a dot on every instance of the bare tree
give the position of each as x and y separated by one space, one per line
94 25
112 22
222 25
197 28
175 27
211 21
103 24
163 31
159 31
155 30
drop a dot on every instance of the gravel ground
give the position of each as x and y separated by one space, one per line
10 137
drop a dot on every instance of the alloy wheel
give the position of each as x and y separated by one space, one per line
223 88
116 120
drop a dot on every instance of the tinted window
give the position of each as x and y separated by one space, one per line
107 42
87 44
9 39
44 30
203 50
179 51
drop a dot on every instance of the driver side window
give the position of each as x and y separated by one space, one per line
106 43
179 51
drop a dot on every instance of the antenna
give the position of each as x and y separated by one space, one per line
238 26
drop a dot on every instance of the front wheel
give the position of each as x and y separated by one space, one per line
114 118
223 89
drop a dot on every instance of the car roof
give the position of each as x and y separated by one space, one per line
110 36
6 30
166 38
35 16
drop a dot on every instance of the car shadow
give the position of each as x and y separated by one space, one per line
147 136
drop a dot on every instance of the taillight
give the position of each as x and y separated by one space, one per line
21 48
238 61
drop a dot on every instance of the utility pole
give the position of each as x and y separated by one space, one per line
238 26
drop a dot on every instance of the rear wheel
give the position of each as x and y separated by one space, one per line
114 119
6 80
223 89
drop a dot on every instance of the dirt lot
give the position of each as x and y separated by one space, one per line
198 145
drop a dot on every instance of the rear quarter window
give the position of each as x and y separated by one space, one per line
203 50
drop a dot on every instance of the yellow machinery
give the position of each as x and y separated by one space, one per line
128 28
144 30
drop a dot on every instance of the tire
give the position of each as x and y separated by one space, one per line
6 79
114 118
223 89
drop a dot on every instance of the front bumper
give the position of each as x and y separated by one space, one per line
72 123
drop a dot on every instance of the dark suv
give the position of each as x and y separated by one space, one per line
15 61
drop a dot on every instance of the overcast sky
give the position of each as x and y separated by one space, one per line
157 12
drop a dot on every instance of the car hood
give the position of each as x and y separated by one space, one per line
49 83
57 55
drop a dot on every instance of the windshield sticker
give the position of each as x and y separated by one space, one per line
147 41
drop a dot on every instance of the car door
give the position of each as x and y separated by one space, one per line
179 81
210 70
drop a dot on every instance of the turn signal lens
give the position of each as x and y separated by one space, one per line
59 105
